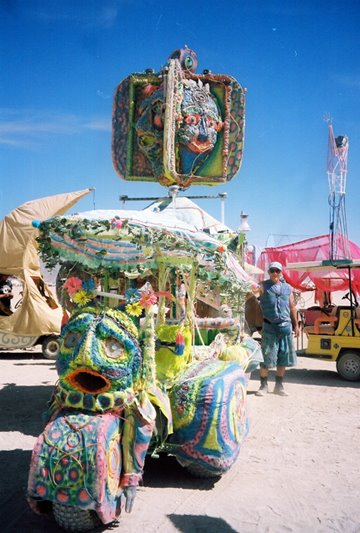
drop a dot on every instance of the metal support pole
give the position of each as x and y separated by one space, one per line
222 196
351 303
173 193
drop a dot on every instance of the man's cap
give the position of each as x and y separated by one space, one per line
275 264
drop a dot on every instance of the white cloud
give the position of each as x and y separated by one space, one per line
108 16
348 80
30 128
100 124
103 95
89 14
16 143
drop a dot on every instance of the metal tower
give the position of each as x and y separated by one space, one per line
337 170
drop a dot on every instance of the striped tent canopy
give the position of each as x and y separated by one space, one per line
131 240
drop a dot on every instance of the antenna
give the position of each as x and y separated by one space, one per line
337 157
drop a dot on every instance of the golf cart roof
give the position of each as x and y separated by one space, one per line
323 266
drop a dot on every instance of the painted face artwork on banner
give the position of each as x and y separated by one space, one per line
178 127
149 127
198 125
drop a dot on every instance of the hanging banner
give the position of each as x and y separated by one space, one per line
178 127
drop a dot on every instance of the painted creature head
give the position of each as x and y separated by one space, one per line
150 127
99 359
198 125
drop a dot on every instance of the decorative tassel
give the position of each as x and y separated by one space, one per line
65 318
179 344
148 346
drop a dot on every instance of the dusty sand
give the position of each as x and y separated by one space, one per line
298 470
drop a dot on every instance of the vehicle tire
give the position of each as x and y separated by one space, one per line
348 366
75 519
197 470
50 347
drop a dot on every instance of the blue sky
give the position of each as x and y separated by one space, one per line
60 62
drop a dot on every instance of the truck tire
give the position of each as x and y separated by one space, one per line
75 519
50 347
348 365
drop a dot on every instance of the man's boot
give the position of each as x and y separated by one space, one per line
279 387
263 387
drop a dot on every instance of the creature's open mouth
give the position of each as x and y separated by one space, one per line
89 381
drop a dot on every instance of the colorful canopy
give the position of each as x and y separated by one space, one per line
133 241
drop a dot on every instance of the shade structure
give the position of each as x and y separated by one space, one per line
188 211
315 249
19 258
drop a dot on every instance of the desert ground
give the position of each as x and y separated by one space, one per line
298 470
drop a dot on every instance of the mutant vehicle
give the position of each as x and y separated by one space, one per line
153 356
141 369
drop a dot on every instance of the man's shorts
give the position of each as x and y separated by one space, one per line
277 348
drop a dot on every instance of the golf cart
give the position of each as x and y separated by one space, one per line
33 318
333 332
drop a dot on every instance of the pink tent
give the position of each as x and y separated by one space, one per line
314 249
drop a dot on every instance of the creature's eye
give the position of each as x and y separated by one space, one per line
159 108
147 140
72 339
114 348
192 119
210 123
188 62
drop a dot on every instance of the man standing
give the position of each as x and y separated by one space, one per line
279 321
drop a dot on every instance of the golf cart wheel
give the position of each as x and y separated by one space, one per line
50 347
75 519
348 366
